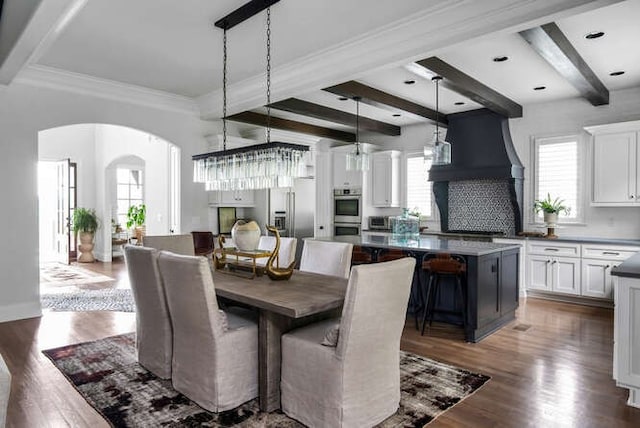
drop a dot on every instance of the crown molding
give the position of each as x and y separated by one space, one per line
54 78
425 33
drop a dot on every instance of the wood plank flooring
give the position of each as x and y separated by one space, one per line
550 368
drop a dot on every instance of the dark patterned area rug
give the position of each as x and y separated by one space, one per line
108 376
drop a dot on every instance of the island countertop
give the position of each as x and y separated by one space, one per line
436 244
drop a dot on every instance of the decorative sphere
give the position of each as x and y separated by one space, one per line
245 235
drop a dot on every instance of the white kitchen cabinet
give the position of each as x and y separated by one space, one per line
626 333
616 168
385 171
596 278
555 274
236 198
341 177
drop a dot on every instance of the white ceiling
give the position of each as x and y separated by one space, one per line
173 47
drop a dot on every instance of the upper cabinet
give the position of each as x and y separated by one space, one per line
236 198
385 173
341 177
616 175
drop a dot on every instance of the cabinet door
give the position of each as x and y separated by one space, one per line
614 169
228 198
539 272
627 334
566 275
488 288
596 278
245 197
381 183
509 281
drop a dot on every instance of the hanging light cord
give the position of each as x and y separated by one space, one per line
268 75
437 79
224 90
357 126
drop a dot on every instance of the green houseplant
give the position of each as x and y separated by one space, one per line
85 222
136 217
550 208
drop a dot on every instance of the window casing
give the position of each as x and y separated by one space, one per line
419 188
129 191
558 171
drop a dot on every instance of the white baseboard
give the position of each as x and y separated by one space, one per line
20 311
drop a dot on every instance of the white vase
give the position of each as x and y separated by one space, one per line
551 218
245 235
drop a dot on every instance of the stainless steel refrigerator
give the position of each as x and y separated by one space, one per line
297 205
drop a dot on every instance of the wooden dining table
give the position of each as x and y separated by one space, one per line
282 305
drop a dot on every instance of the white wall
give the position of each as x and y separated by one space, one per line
26 110
570 117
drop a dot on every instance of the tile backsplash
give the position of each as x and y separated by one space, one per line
481 205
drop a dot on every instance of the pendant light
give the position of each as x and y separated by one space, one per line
440 149
260 166
358 159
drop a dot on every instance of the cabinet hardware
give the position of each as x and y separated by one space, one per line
630 196
612 253
554 262
551 249
607 267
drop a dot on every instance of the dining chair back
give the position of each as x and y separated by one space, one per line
154 336
355 381
326 257
178 244
5 389
286 254
203 243
215 353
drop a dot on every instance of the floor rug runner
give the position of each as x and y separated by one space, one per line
108 299
107 375
56 274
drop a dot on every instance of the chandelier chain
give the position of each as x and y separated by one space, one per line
437 112
357 126
224 90
268 75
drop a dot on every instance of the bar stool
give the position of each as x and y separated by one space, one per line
442 266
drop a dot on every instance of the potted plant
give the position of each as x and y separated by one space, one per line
136 216
550 208
85 222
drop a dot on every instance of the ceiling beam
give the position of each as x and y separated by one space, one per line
243 13
552 45
381 99
457 81
292 125
305 108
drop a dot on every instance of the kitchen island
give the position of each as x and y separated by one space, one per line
491 281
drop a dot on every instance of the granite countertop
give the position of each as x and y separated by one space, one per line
581 239
424 243
629 268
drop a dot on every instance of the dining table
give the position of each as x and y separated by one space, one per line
282 306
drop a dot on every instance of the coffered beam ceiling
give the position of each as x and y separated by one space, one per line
381 99
457 81
552 45
297 106
259 119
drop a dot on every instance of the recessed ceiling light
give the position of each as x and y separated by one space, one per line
539 88
594 35
616 73
459 103
397 115
343 98
500 59
409 82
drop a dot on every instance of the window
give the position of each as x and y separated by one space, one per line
558 165
419 189
129 191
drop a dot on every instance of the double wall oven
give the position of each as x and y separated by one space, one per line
347 211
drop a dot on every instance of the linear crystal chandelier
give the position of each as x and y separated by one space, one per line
260 166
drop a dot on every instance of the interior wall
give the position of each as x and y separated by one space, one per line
24 111
569 117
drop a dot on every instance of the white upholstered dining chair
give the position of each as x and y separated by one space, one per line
286 254
215 353
326 257
355 380
178 244
154 336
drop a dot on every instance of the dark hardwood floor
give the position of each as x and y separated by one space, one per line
550 368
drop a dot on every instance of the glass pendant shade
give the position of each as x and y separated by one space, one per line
358 160
441 150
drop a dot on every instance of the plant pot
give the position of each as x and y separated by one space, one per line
86 248
551 218
245 235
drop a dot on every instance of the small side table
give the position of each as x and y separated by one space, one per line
117 241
